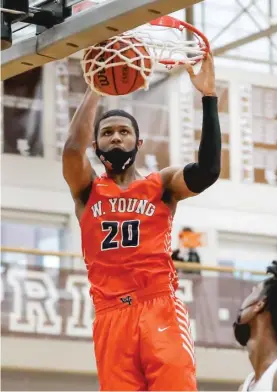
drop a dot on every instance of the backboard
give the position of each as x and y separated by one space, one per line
85 27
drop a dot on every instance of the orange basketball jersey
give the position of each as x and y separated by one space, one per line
126 237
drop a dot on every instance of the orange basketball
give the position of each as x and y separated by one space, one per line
118 79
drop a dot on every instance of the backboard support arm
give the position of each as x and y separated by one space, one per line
82 30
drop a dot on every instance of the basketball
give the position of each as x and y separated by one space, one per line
118 79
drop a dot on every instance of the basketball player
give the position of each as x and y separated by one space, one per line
141 331
256 328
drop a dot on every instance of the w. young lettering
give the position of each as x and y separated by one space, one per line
121 205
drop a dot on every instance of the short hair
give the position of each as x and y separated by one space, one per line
113 113
187 229
270 291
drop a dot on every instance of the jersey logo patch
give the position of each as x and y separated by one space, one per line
126 300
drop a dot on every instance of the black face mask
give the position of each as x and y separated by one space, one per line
116 159
242 332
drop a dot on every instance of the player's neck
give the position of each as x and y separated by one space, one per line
126 178
262 349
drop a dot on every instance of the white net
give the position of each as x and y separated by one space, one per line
164 45
170 46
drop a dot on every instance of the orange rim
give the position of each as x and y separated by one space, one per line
173 23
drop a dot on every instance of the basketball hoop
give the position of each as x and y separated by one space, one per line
164 39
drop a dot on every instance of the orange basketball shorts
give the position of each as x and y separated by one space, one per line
145 345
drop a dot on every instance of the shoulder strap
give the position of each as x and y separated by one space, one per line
86 192
247 382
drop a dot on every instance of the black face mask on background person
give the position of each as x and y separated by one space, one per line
242 332
116 159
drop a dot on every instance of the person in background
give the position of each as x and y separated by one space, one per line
186 252
256 329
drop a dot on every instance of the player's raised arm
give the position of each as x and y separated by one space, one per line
77 169
194 178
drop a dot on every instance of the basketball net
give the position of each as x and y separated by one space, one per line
164 39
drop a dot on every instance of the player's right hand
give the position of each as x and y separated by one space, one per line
204 81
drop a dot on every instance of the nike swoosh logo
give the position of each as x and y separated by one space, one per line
162 329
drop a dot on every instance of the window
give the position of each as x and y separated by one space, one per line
27 235
264 112
258 119
227 21
247 252
22 112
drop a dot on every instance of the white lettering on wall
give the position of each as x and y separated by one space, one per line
80 322
34 303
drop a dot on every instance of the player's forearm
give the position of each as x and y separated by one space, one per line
81 127
199 176
210 146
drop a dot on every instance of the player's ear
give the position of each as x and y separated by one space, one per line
94 145
140 143
260 305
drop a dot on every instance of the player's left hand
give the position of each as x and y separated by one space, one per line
204 81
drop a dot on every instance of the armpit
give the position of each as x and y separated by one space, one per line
85 193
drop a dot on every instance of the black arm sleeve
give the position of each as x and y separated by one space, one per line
199 176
